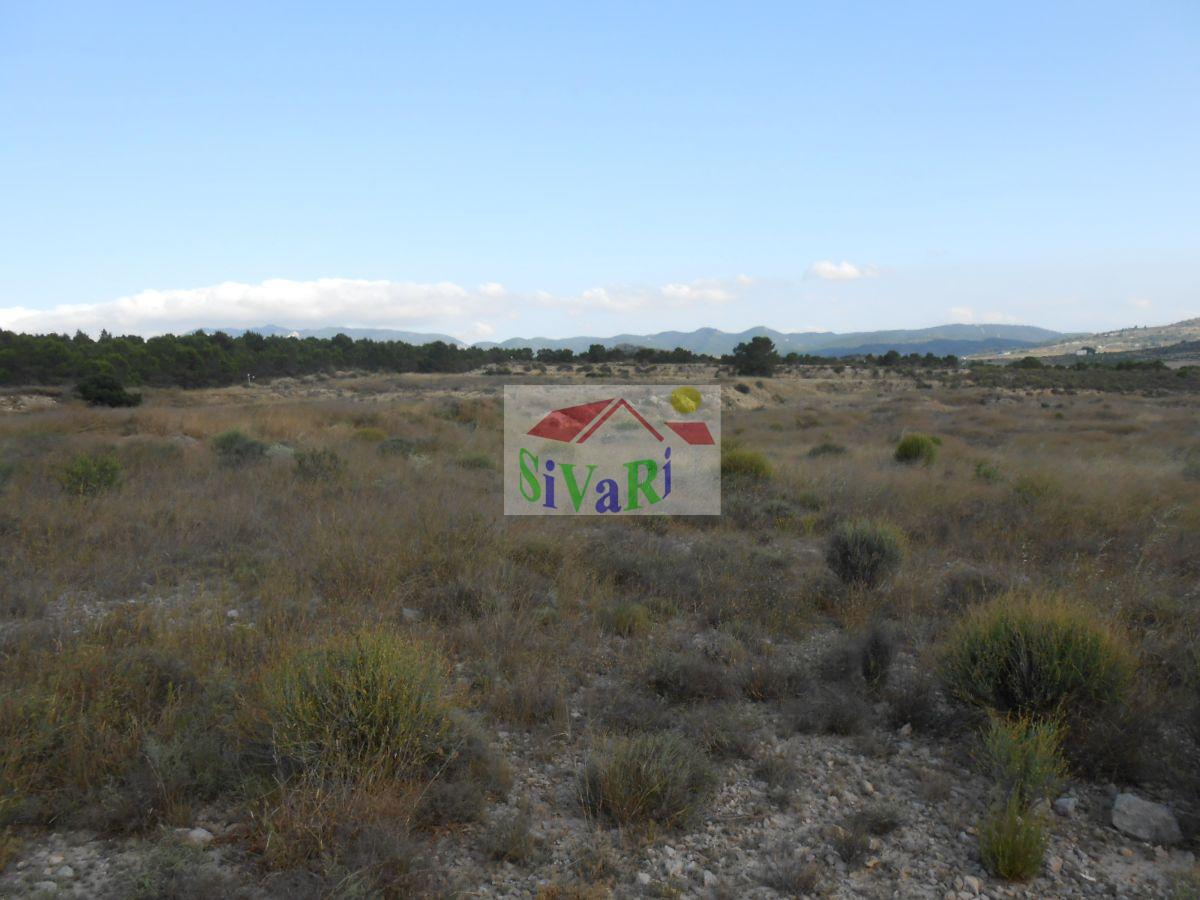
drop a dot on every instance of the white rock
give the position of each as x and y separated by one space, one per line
56 859
973 883
710 880
643 878
46 887
64 872
1144 820
198 837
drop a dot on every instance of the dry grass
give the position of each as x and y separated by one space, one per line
143 626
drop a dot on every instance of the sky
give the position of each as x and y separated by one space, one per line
521 169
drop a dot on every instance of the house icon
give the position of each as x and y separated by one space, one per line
575 424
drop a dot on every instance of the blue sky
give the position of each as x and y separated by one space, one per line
490 170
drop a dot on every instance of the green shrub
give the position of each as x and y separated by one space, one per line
236 448
738 462
914 448
370 702
626 619
319 465
370 435
86 476
399 446
826 449
6 472
876 652
1191 468
864 553
1012 842
988 473
106 390
1023 756
1035 656
476 461
660 778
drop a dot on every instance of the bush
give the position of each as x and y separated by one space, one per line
660 778
128 729
914 448
876 653
398 446
1023 757
370 702
86 476
370 435
864 553
476 462
681 676
738 462
1012 841
826 449
625 619
1036 656
106 390
987 472
319 465
235 448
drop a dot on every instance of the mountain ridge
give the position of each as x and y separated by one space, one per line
939 339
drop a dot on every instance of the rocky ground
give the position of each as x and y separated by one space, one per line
754 840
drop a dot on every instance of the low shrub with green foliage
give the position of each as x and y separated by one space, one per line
236 448
370 435
626 619
660 778
1038 656
476 461
1024 758
1012 841
6 472
319 464
88 475
864 553
917 448
987 472
740 462
401 446
368 702
826 449
106 390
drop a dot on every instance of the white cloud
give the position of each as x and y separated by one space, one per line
962 314
828 270
441 306
1141 302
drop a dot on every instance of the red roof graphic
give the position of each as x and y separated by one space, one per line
584 420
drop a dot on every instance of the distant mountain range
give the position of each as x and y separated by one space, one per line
941 340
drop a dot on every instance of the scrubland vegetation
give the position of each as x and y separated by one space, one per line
928 610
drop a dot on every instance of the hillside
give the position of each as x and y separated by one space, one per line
1123 340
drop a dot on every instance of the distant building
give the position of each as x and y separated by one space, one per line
1086 351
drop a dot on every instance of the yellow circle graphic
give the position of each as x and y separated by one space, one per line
685 399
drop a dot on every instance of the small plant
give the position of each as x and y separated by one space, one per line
1024 757
851 842
876 819
476 461
987 472
681 676
106 390
864 553
510 838
235 448
826 449
876 652
1012 842
399 446
370 435
87 476
917 448
742 388
625 619
319 464
792 873
1036 656
739 462
1191 468
660 778
6 472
